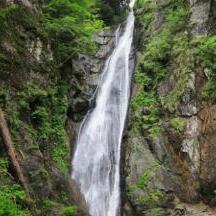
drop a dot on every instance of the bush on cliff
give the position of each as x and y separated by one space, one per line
70 25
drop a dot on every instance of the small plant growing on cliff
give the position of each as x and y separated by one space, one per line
12 197
179 124
205 51
145 178
153 196
155 131
69 211
209 90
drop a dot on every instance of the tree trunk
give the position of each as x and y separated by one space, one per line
4 131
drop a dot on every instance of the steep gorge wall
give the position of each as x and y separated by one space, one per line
44 103
170 143
171 134
34 97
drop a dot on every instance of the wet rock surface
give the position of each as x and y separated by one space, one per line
87 71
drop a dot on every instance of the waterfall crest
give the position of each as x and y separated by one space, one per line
96 161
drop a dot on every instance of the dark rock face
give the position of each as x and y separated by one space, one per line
86 70
78 109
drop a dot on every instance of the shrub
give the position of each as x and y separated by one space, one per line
205 51
178 124
69 211
11 198
152 196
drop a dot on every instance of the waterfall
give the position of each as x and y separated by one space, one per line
96 161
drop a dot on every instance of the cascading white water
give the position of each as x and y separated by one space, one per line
96 161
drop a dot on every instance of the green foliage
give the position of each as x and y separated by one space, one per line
69 211
145 106
14 20
3 167
176 17
70 24
5 12
142 100
47 206
159 47
146 4
209 90
111 11
46 108
205 51
60 105
152 196
152 199
155 131
18 26
12 198
183 53
145 178
178 124
50 120
41 115
8 201
146 119
164 48
156 212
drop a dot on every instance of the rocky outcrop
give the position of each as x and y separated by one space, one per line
86 71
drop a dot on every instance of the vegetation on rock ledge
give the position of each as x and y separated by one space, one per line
34 94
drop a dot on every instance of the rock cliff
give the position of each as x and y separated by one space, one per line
44 102
170 140
168 156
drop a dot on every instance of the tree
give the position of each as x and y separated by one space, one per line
111 10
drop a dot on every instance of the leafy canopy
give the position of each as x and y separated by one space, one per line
70 24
